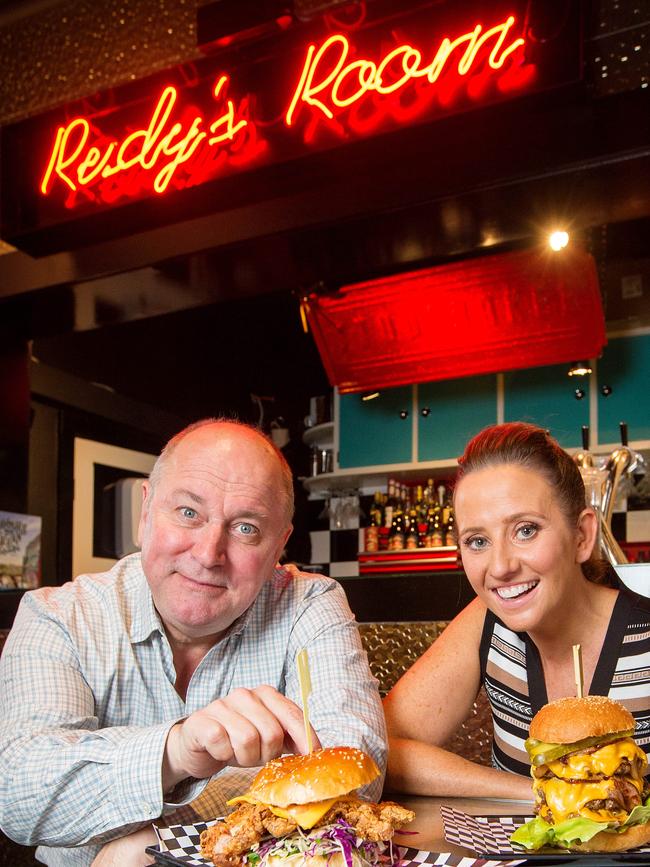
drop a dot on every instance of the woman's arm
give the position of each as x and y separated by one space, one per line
426 707
425 769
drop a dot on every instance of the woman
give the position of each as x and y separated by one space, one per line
527 545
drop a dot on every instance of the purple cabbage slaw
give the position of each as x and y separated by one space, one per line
328 840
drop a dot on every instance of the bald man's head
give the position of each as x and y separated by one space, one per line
222 427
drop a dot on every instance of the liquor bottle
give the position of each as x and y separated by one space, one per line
419 505
445 504
371 535
412 536
378 508
441 501
429 530
391 502
450 536
433 536
384 530
396 537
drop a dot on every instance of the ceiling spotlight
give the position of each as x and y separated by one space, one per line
580 368
558 240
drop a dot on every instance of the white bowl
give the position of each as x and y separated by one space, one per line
636 576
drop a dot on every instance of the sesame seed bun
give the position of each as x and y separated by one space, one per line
568 720
635 835
327 773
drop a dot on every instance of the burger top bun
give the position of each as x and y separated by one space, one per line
635 835
568 720
327 773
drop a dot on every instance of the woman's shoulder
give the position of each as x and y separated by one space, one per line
470 621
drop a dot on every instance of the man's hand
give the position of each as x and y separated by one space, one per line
127 851
246 728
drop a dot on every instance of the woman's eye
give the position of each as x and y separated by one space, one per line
475 543
527 531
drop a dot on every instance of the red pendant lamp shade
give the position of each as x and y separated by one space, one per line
497 313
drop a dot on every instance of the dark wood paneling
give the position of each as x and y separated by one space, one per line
397 598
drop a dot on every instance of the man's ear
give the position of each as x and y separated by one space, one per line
283 541
586 534
144 512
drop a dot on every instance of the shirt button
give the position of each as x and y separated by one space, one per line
147 809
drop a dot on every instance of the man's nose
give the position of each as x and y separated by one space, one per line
209 547
503 560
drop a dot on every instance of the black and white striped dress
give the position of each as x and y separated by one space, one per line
512 673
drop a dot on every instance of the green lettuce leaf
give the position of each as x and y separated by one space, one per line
533 835
538 833
576 830
638 816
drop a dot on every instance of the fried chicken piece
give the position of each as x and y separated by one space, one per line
375 822
225 842
397 815
276 825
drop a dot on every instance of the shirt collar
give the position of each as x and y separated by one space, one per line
144 617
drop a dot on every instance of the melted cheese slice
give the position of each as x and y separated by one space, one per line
604 761
566 799
305 815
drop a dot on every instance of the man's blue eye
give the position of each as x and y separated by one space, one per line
246 529
188 513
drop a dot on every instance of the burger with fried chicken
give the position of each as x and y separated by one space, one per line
588 778
301 810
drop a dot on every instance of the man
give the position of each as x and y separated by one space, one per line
123 693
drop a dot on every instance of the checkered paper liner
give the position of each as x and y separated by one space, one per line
491 834
180 844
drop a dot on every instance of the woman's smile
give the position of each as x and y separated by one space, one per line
516 591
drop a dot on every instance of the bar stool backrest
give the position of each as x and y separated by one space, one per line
392 649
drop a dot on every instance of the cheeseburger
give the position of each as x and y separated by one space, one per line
299 810
588 778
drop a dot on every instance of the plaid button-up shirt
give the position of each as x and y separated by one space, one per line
87 699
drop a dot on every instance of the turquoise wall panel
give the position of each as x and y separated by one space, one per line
372 432
625 367
546 396
459 408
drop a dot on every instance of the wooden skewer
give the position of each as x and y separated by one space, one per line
304 679
577 669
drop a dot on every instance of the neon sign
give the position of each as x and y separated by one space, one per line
342 83
337 87
160 148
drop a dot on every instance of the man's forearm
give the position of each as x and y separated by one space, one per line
109 780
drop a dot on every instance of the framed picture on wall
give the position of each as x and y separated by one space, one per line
20 551
107 499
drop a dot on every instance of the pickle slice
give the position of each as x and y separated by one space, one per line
542 753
